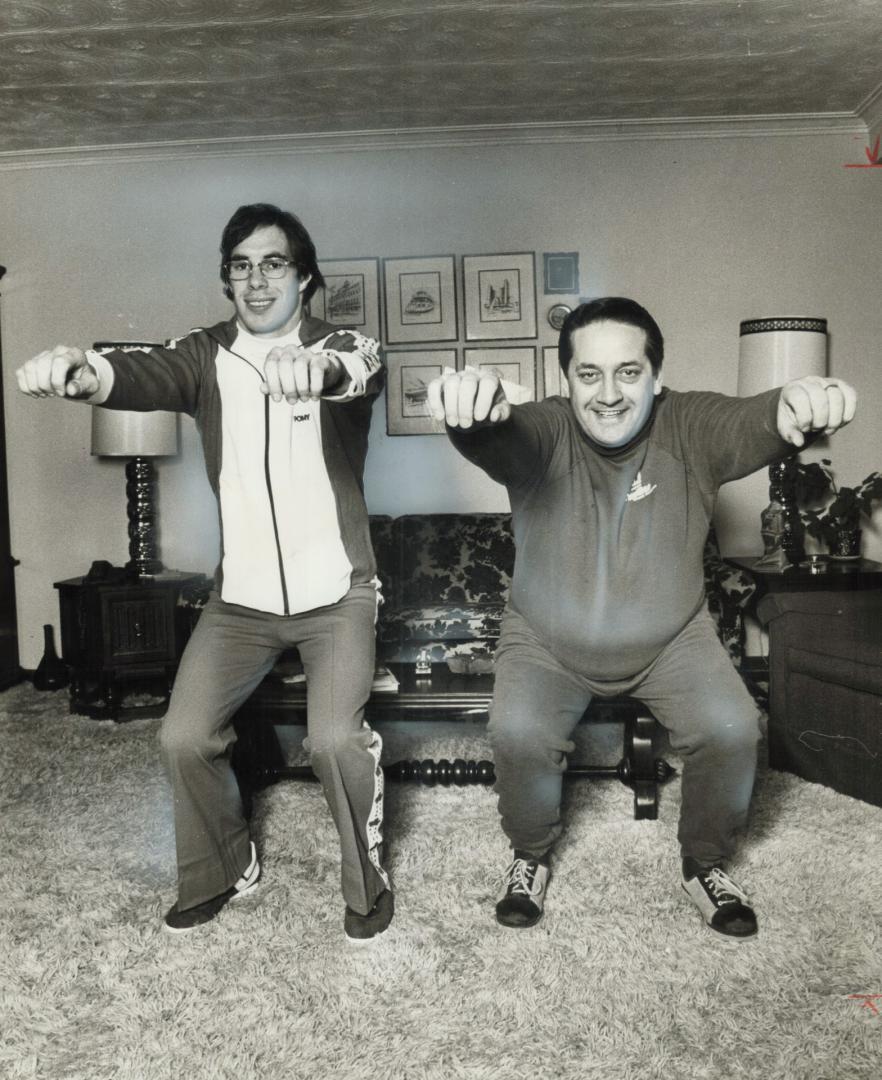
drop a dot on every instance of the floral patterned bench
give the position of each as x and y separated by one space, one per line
446 578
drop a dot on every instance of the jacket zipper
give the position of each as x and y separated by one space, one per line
272 503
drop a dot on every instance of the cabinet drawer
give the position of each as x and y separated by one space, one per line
137 629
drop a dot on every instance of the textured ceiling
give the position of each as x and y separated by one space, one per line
76 73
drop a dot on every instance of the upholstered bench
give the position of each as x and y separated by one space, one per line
445 579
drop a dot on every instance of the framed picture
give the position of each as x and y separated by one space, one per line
561 272
552 377
516 365
420 299
500 296
351 296
408 374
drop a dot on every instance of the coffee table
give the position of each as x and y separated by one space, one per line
441 695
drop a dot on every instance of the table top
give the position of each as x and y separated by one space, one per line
837 575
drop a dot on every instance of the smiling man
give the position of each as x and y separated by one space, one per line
283 406
612 494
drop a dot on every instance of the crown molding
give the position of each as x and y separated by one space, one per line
702 127
870 110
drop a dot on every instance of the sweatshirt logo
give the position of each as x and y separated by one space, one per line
639 490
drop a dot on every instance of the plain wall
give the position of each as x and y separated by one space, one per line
704 232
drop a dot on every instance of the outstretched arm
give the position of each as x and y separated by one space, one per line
814 403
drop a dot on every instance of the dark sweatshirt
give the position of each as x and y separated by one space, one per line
609 542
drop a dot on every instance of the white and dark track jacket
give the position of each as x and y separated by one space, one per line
288 478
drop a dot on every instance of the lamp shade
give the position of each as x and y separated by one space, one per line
773 351
118 433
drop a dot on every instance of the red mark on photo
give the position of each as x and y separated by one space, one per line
872 153
868 1001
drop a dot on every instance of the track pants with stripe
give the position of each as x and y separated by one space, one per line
229 653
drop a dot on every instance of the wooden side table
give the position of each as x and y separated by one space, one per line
115 632
825 672
844 575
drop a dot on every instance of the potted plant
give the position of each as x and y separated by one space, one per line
836 523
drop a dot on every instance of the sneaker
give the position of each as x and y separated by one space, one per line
723 905
361 928
179 921
521 902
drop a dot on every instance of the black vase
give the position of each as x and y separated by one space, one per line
51 673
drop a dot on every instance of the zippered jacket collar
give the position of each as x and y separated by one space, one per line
311 331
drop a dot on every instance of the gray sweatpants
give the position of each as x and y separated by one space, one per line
231 650
692 689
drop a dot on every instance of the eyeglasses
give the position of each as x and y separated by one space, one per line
240 269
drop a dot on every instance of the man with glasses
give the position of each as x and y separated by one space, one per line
283 404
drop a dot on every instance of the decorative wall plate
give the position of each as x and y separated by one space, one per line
557 314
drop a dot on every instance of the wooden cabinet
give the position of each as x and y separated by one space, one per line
119 635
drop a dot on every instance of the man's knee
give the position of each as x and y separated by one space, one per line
341 746
729 730
190 736
525 742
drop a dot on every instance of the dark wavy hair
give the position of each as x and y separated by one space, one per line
612 309
259 215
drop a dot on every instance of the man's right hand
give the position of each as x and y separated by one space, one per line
463 398
59 372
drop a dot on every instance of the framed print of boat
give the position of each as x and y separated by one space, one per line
351 296
500 296
408 374
420 299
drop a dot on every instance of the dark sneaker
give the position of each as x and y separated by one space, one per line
723 905
522 900
179 922
361 928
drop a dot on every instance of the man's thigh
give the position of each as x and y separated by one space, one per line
338 646
694 688
228 654
534 697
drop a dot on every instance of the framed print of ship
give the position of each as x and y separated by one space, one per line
420 299
408 374
351 296
500 296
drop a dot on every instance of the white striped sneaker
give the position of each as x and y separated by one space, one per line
179 922
522 900
724 906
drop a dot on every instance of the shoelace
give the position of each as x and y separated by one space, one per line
520 878
724 889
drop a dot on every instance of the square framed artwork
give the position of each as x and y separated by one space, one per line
515 364
408 374
561 272
553 379
500 296
351 296
420 299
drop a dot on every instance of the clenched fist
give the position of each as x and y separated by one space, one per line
463 398
814 403
298 374
59 372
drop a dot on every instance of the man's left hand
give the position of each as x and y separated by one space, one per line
298 374
814 403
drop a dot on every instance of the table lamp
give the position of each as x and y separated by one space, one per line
771 353
138 436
